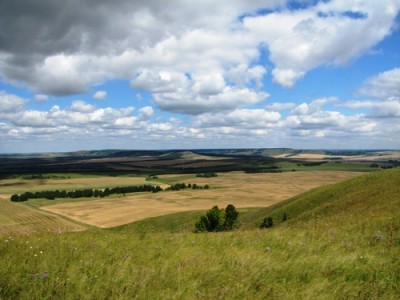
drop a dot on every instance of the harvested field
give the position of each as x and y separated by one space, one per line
194 156
17 218
12 186
242 190
375 156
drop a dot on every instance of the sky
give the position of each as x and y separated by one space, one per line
177 74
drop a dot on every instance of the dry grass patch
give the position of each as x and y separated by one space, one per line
243 190
195 156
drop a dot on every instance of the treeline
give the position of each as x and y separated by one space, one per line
183 186
85 193
88 193
40 176
312 163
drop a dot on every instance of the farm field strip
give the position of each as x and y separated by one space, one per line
13 186
378 156
16 218
242 190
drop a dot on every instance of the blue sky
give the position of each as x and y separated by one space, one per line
180 75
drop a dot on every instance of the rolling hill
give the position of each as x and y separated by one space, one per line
374 196
340 241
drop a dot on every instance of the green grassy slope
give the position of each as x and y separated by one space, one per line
375 195
363 200
339 242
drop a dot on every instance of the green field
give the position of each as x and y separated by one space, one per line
339 242
288 166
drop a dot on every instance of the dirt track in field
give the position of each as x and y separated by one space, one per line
242 190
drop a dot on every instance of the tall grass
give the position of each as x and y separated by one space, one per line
278 263
342 243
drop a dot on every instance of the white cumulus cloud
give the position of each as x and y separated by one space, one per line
10 104
100 95
384 85
301 40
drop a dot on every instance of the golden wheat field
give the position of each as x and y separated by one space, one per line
19 218
19 185
240 189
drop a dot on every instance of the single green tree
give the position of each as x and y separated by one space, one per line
212 221
215 219
231 216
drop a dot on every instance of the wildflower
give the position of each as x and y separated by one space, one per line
378 237
268 249
45 274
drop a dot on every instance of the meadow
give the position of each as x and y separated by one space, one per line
340 241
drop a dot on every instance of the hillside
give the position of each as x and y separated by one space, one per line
375 196
340 241
361 201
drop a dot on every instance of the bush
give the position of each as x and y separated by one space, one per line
217 219
267 222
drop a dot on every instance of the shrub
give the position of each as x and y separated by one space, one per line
217 219
267 222
202 225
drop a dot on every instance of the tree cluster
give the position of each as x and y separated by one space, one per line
85 193
218 220
183 186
